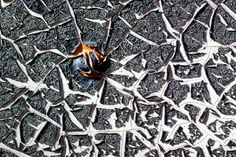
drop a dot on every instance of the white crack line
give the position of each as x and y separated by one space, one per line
170 29
99 21
125 2
15 99
189 22
126 22
126 59
14 151
122 144
122 72
33 32
30 84
185 27
227 88
92 7
13 43
38 129
4 4
0 38
18 131
32 110
119 87
72 116
65 86
212 4
74 20
153 9
229 11
143 39
66 150
35 14
97 104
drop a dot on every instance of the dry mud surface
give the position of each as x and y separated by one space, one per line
170 89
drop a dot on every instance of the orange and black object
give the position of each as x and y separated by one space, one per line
90 61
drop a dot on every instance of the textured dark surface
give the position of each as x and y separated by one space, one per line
170 89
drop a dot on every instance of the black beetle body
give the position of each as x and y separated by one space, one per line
89 61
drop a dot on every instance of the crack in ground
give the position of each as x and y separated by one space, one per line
170 90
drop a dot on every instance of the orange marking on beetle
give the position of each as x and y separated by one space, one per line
84 49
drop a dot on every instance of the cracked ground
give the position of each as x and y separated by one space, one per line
170 89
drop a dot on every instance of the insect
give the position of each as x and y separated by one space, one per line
90 61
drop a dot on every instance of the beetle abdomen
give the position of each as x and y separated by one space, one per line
80 64
103 66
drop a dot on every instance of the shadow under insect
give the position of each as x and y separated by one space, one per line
89 64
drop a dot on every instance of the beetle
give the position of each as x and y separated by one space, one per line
90 61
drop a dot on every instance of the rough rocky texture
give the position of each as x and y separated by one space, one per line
170 89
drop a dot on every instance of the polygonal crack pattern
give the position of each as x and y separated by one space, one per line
170 89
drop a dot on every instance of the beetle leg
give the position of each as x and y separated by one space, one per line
92 74
100 56
82 50
88 60
78 51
